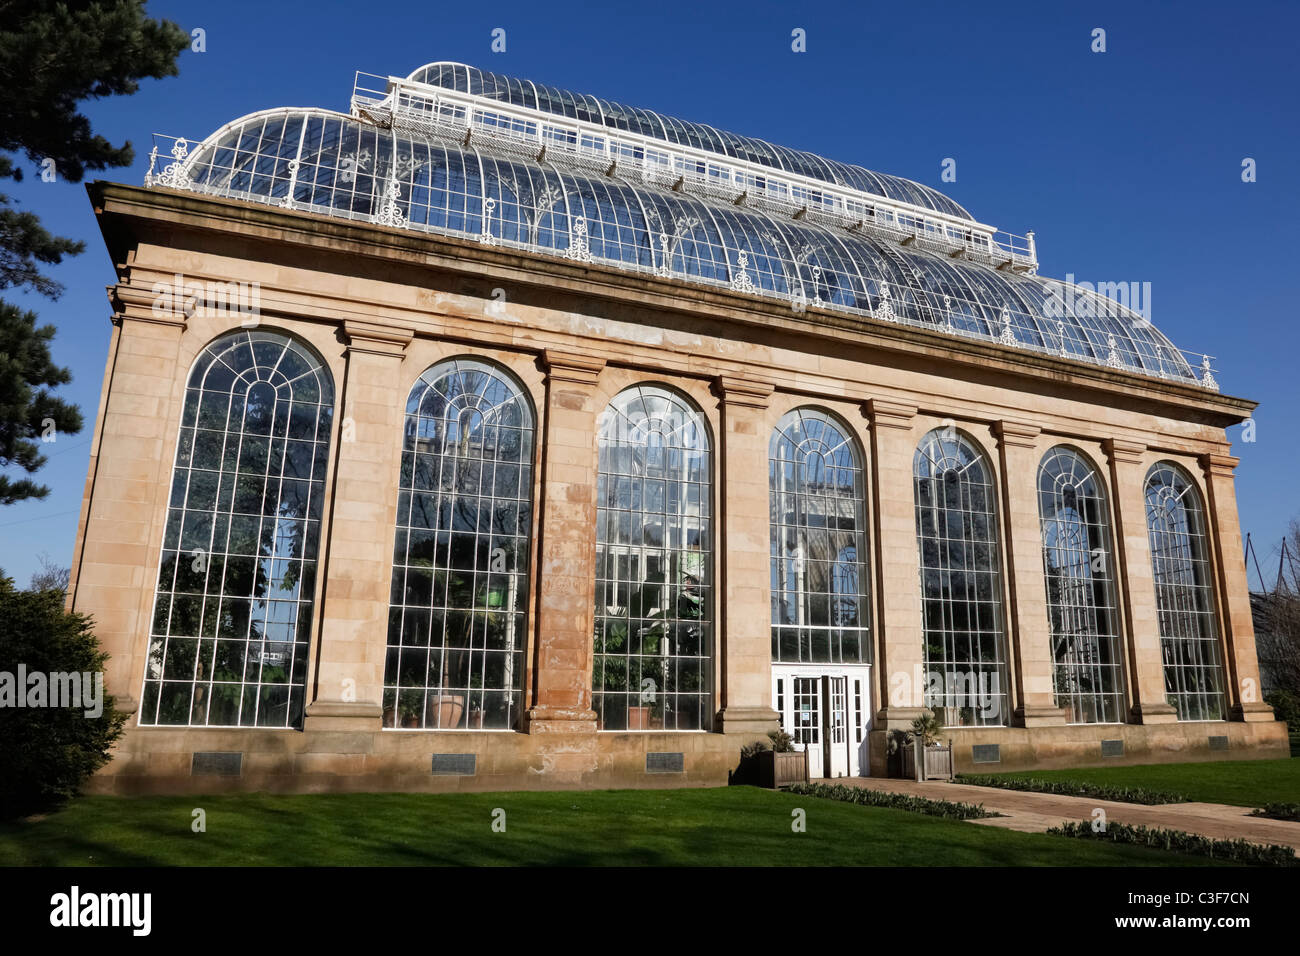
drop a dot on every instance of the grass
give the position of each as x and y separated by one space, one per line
1243 783
726 826
1072 788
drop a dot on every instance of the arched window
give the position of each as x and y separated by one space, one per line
233 613
961 592
457 620
1189 636
653 625
818 549
1079 571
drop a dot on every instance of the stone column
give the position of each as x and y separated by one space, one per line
1243 691
1029 631
124 506
1145 680
900 661
566 573
743 648
349 684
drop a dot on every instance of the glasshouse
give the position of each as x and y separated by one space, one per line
495 436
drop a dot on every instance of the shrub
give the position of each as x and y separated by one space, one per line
1279 811
1074 788
1177 841
782 742
928 727
894 801
47 752
1286 706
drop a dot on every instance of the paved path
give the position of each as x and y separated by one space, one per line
1035 812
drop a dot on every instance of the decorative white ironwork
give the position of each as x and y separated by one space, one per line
257 179
405 164
578 249
668 244
287 201
404 103
885 310
1007 336
171 176
486 236
740 280
1113 359
390 213
1207 377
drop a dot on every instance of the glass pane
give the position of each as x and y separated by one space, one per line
225 555
653 624
458 622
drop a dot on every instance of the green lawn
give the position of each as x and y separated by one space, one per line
719 827
1244 783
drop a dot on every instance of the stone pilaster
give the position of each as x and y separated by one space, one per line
124 507
566 574
744 610
1244 697
1028 630
900 660
1145 683
349 684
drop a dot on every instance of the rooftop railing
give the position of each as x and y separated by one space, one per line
469 118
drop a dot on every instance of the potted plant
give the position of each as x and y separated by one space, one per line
775 762
929 759
445 710
408 709
474 720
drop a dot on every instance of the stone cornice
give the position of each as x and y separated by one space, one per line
1123 452
1219 466
376 339
886 414
143 305
1016 434
131 214
571 367
749 392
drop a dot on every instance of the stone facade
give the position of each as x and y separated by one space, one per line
381 305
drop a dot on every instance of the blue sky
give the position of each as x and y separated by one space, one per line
1126 164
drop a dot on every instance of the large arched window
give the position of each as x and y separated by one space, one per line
1189 637
818 551
653 630
233 614
961 593
1077 566
457 621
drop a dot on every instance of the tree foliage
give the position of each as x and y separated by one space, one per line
1277 625
51 577
54 57
27 409
48 752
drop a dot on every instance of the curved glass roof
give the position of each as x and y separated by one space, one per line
581 106
334 164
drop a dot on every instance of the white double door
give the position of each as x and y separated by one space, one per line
826 710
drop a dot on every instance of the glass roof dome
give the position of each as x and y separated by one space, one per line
341 165
582 106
